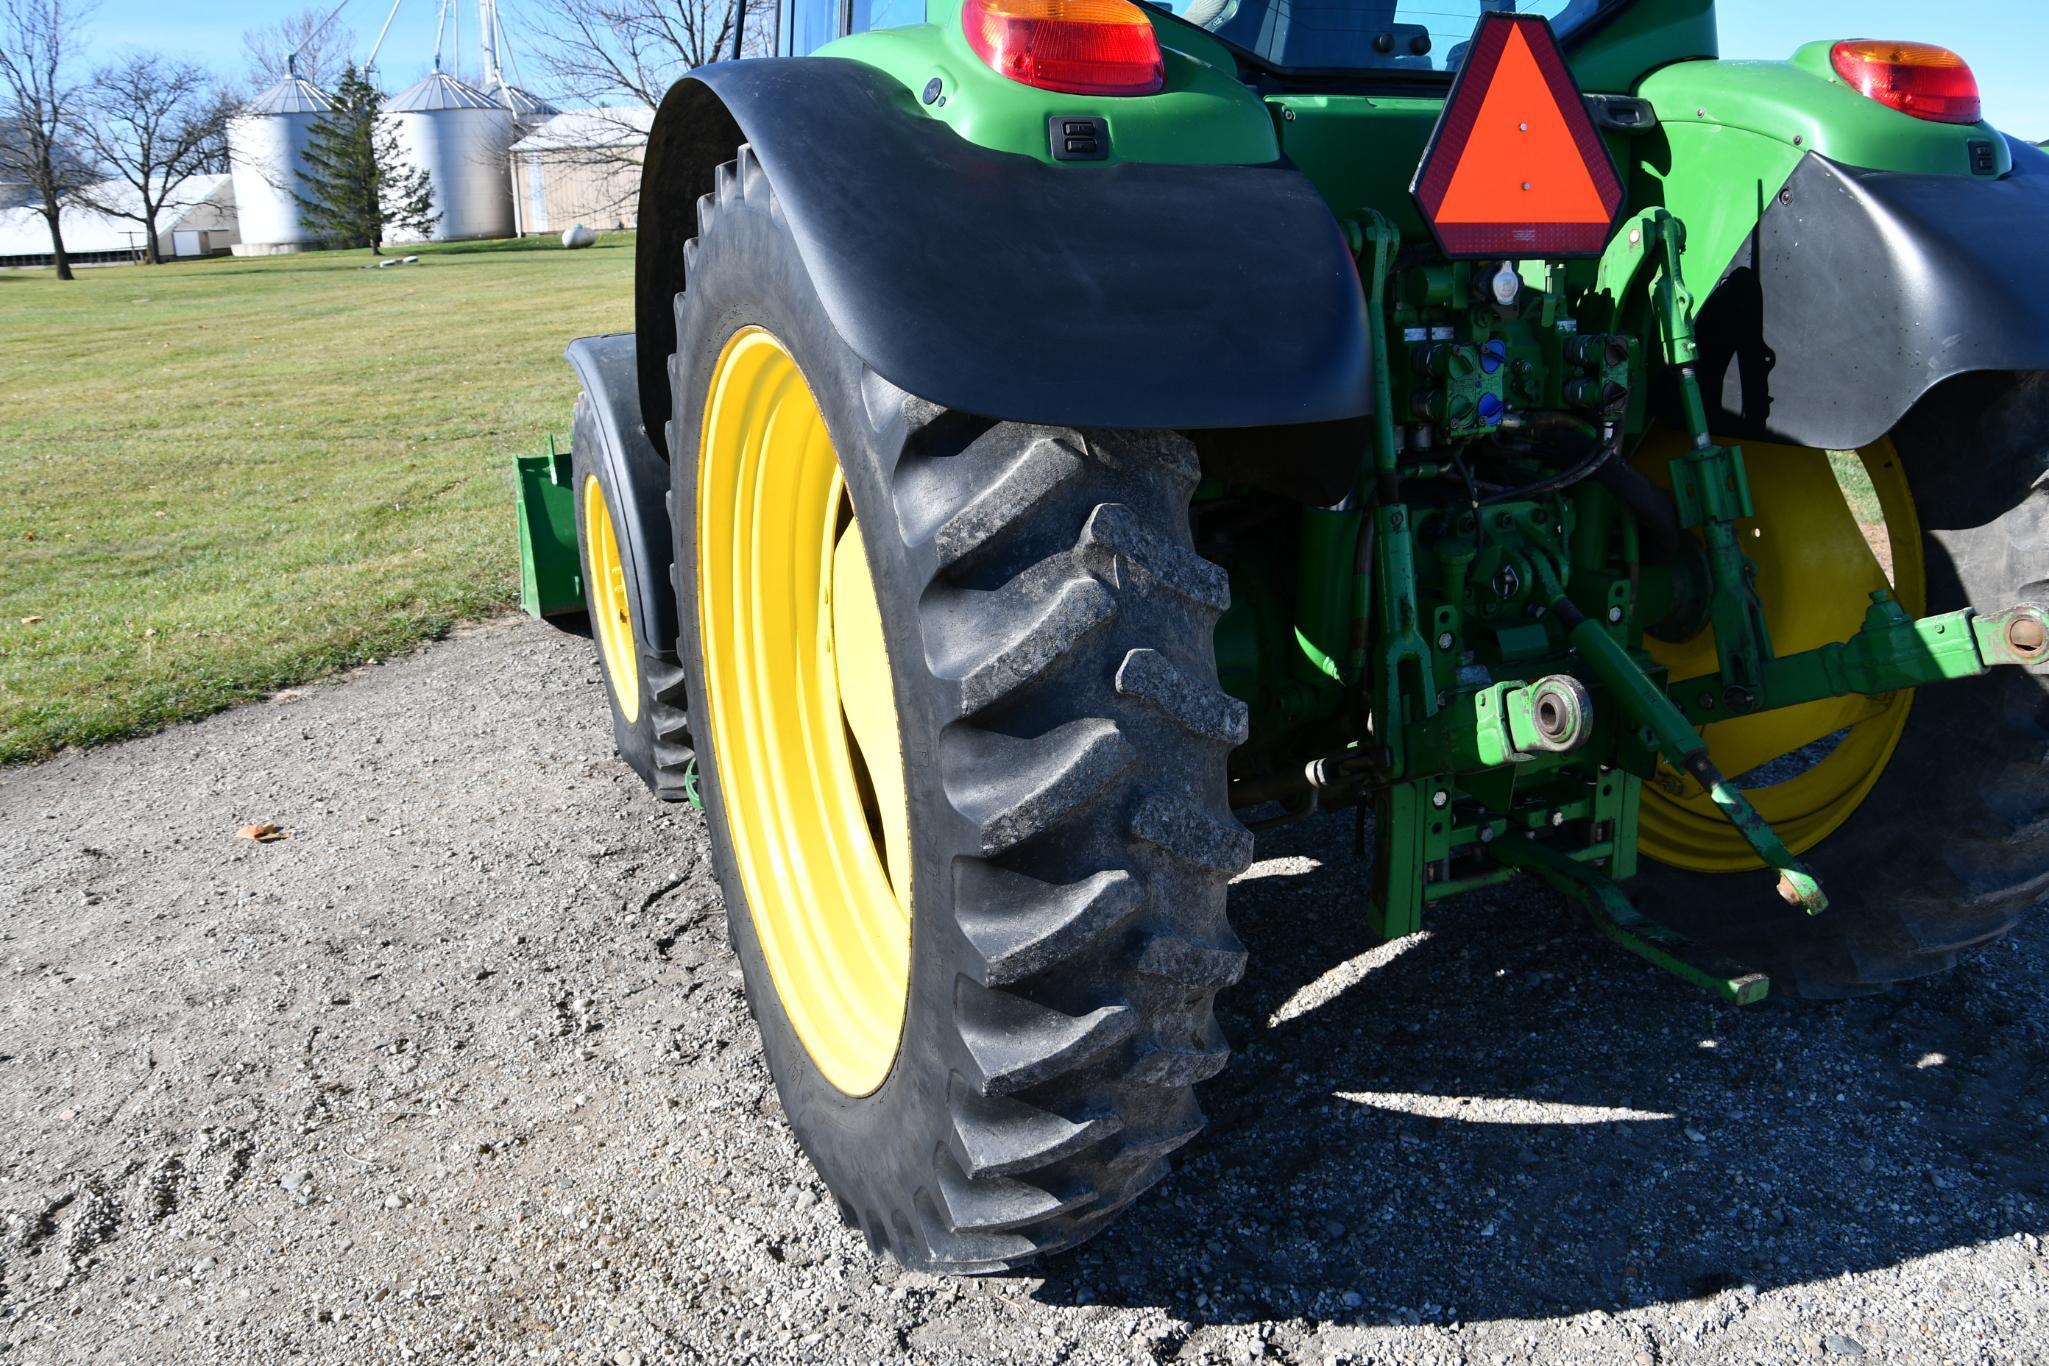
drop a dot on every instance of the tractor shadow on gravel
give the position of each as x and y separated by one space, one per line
1506 1118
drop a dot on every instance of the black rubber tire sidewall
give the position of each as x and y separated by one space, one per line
873 1148
635 739
1050 627
1949 849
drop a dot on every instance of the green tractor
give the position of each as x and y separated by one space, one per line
1062 438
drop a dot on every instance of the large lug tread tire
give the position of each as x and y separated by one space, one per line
1951 848
1049 624
656 744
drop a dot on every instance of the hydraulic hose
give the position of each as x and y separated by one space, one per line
1650 507
1538 424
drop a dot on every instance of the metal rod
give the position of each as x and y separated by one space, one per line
1385 590
487 22
510 54
440 28
1676 738
378 46
1620 921
292 57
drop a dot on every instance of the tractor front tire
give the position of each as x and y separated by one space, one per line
643 682
996 1073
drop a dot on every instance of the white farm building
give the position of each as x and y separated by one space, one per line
198 219
581 167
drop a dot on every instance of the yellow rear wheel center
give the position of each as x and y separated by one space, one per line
610 608
1816 570
803 719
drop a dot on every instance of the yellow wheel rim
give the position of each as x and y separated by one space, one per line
803 714
1815 573
611 609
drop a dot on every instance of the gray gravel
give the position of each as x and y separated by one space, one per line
463 1068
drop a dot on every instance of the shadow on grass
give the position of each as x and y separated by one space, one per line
516 244
1509 1119
359 257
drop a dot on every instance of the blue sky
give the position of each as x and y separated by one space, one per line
2004 40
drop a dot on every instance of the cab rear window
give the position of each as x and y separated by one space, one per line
1365 35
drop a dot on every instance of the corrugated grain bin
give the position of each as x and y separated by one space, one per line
460 137
267 145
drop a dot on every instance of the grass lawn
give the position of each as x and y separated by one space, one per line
222 478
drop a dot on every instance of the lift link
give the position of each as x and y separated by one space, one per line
1893 651
1673 735
1617 918
1385 576
1710 486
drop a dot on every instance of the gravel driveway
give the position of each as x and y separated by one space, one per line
462 1069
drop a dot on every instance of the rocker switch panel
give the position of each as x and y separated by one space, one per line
1078 137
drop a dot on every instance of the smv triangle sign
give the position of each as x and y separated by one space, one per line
1516 167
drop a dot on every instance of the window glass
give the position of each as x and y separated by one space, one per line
1397 35
887 14
813 24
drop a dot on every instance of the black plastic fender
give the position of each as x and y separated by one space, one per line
1128 295
638 478
1860 291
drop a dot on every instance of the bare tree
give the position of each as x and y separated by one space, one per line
619 57
322 51
152 124
39 108
606 51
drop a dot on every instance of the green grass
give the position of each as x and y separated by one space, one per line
224 478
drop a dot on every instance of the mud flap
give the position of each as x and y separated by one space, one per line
1861 291
636 482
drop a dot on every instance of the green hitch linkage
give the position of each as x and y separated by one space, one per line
1708 482
1894 652
1384 584
1616 918
1508 723
1676 738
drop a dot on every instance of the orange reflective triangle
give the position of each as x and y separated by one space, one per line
1521 165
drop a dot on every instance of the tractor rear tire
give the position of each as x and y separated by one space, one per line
1048 627
643 682
1951 847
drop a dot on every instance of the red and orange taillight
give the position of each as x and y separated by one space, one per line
1078 47
1921 79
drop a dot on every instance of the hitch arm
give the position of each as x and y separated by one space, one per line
1675 737
1617 918
1893 651
1385 608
